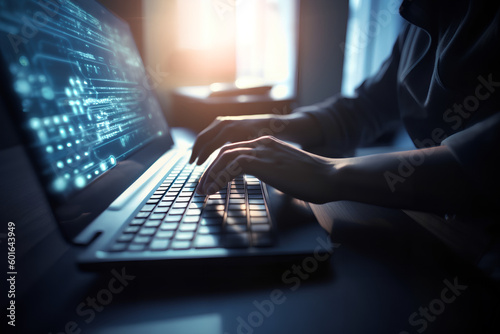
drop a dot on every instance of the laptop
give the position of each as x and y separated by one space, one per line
79 96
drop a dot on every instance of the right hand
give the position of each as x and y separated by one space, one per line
233 129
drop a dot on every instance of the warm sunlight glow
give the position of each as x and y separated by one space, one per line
197 26
262 33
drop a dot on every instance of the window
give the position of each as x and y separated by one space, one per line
372 28
263 34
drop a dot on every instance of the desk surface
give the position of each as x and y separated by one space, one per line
386 275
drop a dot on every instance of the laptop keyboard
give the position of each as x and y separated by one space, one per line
177 218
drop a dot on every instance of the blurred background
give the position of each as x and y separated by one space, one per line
199 54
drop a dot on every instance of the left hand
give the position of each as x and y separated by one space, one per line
293 171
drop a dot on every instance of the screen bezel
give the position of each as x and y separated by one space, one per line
77 211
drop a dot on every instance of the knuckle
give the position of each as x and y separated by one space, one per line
267 140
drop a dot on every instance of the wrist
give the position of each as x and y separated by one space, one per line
342 179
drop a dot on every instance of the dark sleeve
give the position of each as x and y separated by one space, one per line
347 123
476 150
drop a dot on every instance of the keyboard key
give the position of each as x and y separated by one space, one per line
169 226
164 234
231 196
183 199
176 211
131 229
235 228
237 206
215 207
125 238
174 218
257 207
137 222
159 244
166 204
212 203
147 231
207 241
255 201
237 213
191 219
157 216
259 220
136 247
179 205
184 235
194 205
236 201
142 215
261 228
180 244
141 239
210 229
254 213
188 227
148 208
193 212
153 201
236 221
153 223
161 210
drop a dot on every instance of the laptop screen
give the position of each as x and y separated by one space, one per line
81 96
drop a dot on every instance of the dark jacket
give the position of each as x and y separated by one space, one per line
442 80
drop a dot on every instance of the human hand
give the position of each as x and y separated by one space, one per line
293 171
232 129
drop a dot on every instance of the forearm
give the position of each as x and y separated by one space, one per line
427 179
299 128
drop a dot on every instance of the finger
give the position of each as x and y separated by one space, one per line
251 146
225 168
204 137
219 140
241 144
242 164
221 162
